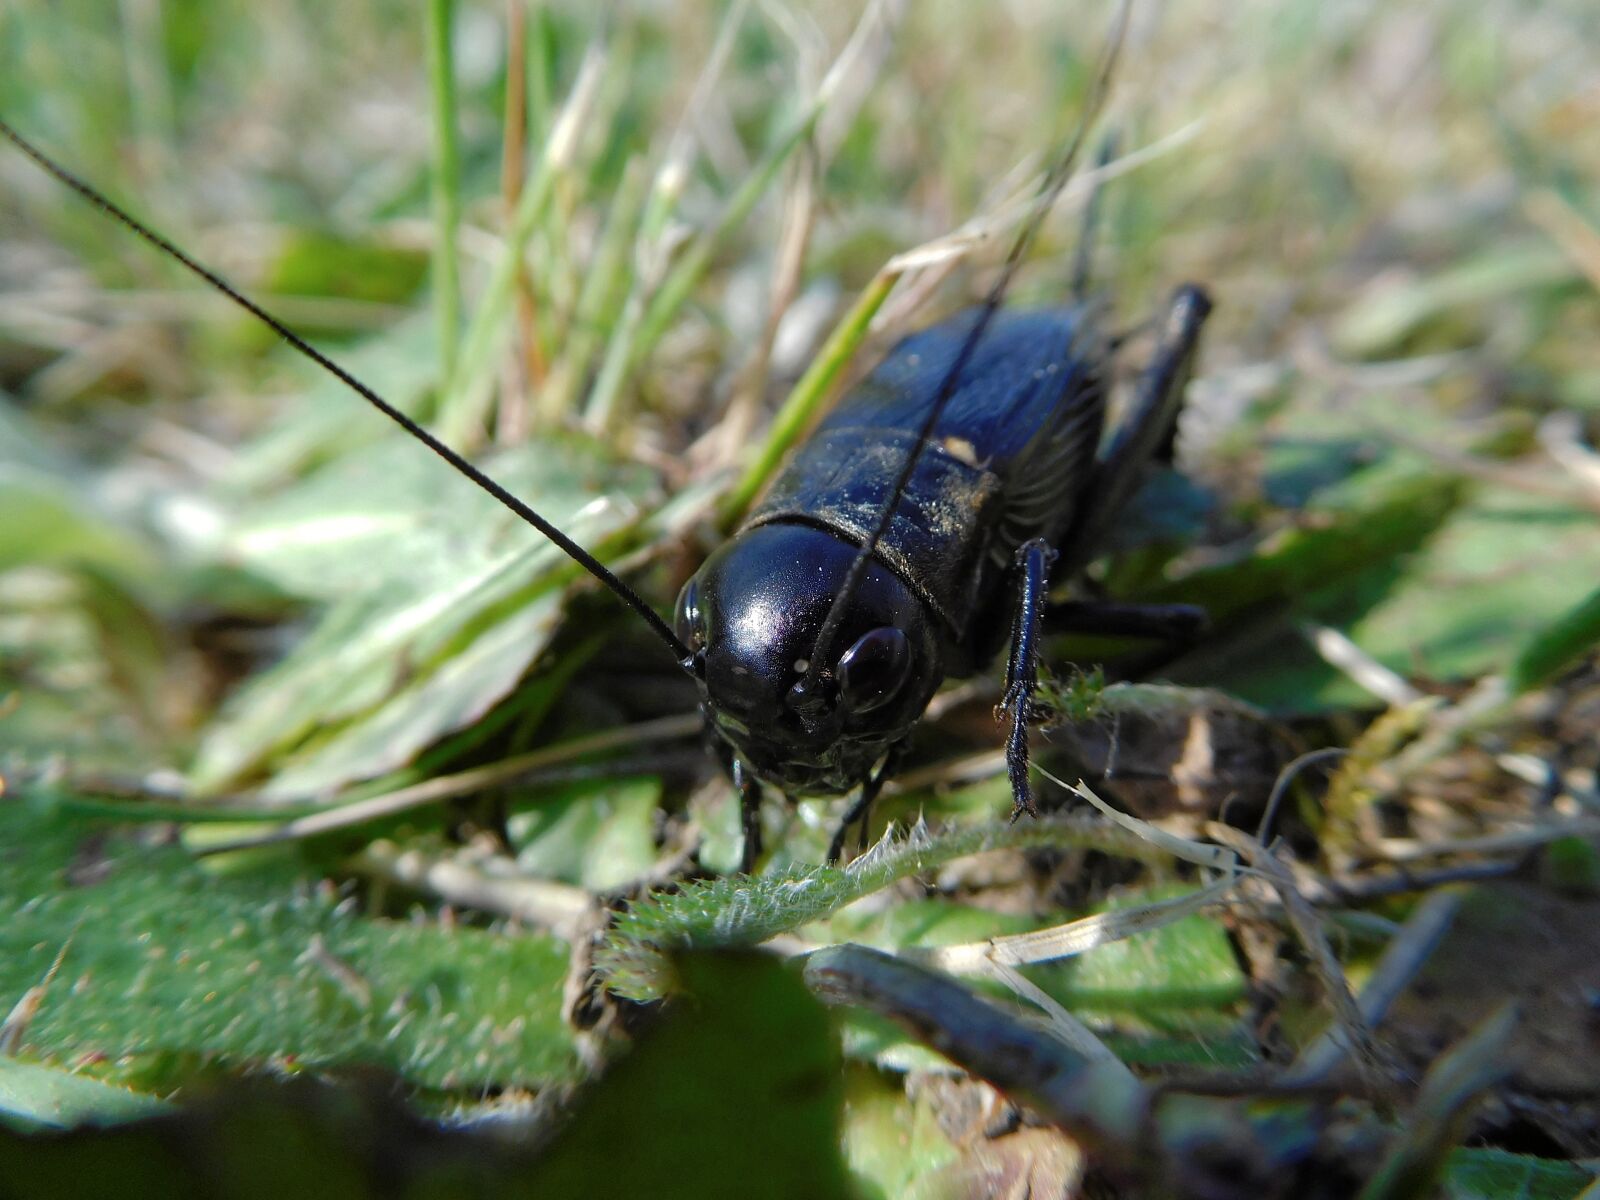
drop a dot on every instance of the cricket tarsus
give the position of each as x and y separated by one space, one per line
569 547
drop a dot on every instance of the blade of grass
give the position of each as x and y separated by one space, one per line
605 285
443 787
150 107
655 241
683 276
467 400
525 369
446 187
1557 646
810 395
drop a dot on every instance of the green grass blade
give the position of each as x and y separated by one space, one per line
467 401
446 184
1558 645
625 353
809 395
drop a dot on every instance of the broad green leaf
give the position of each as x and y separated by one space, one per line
599 837
45 520
735 1091
891 1141
1175 978
448 601
1506 566
393 513
315 262
1422 583
1372 520
423 709
327 419
77 678
49 513
164 961
1187 964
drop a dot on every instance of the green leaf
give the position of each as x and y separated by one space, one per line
447 600
33 1096
1378 516
744 911
1379 323
48 514
327 419
891 1140
734 1092
163 959
1505 571
737 1091
1187 964
44 520
317 262
1554 647
598 837
1484 1174
1423 584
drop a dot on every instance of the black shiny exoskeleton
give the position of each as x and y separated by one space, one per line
1013 477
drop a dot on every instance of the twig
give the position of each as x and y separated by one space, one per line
1478 1061
559 907
1307 927
1280 786
1402 959
1403 850
1100 1101
1339 652
444 787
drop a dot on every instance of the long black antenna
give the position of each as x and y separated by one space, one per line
807 695
571 548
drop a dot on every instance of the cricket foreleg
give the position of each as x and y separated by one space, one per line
749 788
860 809
1022 669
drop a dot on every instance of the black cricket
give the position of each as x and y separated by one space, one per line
907 539
1011 479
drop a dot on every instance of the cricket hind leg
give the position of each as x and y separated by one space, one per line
1032 564
1147 428
860 810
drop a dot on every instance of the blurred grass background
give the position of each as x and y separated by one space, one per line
1394 209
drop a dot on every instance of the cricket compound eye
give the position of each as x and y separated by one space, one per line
874 670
